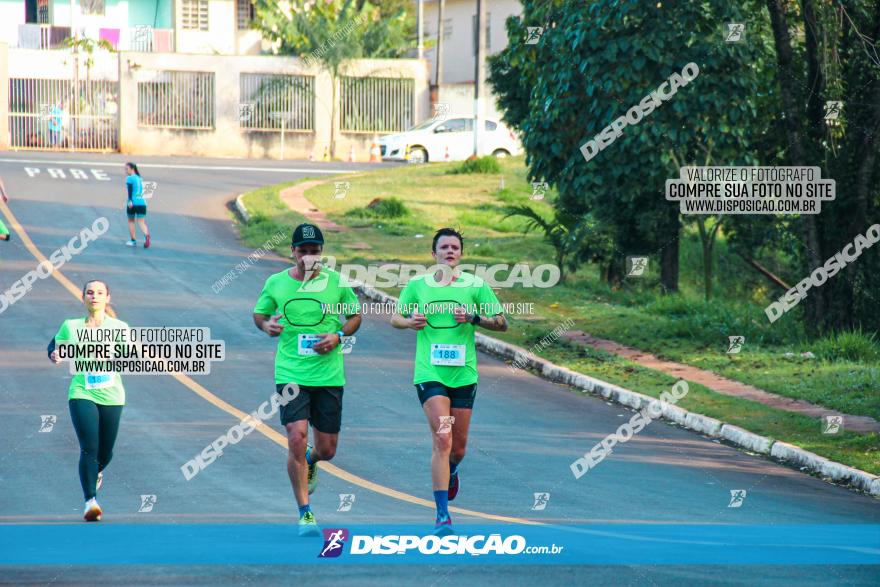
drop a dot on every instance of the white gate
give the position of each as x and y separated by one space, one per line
59 114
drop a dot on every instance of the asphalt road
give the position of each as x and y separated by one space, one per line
524 434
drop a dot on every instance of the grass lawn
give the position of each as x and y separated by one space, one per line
682 327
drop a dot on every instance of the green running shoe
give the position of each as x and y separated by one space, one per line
308 526
313 471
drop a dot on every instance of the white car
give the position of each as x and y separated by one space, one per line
447 140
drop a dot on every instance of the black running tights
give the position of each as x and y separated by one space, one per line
96 427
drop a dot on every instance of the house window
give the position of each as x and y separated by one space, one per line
447 28
43 11
92 7
488 31
376 104
244 13
177 99
194 15
276 100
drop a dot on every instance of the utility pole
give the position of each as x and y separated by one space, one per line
479 75
438 69
421 28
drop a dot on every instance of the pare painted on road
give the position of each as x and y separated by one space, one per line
68 173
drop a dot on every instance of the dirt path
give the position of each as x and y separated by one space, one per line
295 199
721 384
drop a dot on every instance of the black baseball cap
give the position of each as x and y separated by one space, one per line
306 233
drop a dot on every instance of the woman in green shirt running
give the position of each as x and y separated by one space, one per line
95 399
445 309
4 232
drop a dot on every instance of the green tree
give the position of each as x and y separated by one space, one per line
761 101
593 63
331 33
575 240
82 92
828 51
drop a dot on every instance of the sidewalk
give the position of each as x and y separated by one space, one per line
296 201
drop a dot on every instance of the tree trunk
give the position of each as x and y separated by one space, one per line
438 73
613 272
863 212
867 148
765 272
669 265
815 76
707 242
815 303
560 262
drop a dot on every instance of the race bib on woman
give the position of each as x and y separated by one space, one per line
450 355
99 380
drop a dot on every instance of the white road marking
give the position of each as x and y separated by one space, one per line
58 173
167 166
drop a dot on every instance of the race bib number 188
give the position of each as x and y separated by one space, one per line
450 355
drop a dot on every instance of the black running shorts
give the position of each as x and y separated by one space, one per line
459 397
320 405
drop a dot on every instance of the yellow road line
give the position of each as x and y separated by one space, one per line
281 440
269 433
30 246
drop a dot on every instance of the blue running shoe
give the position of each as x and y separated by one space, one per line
443 526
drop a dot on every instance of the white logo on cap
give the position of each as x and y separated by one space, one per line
308 232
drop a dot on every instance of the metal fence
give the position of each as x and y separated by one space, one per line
177 99
146 39
42 36
377 104
268 100
57 114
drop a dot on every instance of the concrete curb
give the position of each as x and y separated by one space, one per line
781 451
749 440
240 208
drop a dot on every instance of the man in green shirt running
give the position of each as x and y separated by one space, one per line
301 306
445 307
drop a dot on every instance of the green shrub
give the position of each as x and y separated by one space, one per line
711 322
389 208
851 345
380 208
486 164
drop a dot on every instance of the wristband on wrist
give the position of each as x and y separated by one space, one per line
476 320
340 334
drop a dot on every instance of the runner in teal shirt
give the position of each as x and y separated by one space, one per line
136 207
